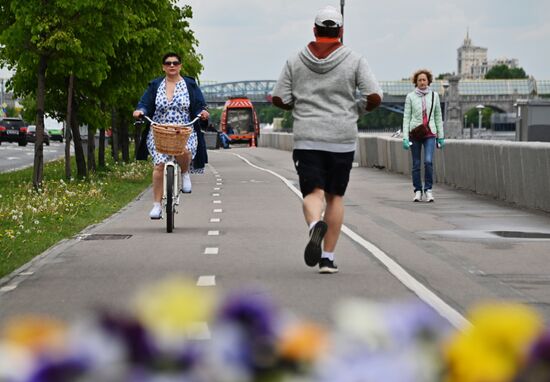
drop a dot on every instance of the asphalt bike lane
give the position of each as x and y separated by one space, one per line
240 228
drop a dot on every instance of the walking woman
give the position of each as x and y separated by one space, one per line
422 128
174 99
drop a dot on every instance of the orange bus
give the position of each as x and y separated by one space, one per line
239 120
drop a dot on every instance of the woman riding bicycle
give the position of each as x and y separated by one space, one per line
172 99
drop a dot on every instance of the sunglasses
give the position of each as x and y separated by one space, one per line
171 63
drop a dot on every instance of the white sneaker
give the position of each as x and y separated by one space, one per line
429 196
186 187
417 196
156 212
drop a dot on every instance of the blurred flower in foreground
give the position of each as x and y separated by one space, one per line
538 366
35 334
174 309
251 340
303 343
496 345
396 342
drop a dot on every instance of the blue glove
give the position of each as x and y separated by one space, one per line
440 142
406 144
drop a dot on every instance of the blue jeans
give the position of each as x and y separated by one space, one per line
225 140
416 151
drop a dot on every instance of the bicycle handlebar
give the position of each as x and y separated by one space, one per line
191 123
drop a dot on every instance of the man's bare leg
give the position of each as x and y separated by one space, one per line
314 204
334 217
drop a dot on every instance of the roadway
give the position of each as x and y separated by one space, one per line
242 227
15 157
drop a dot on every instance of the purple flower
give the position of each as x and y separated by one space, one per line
59 370
541 348
253 312
137 342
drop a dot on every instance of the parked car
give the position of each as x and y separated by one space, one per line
31 135
56 134
13 130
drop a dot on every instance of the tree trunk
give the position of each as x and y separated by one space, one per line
125 139
38 168
78 150
137 139
68 123
114 135
101 149
91 150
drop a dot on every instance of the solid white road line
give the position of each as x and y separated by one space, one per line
426 295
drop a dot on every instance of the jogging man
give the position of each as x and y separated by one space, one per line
319 85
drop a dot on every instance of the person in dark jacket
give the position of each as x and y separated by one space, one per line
172 99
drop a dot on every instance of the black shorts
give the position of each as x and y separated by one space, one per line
323 169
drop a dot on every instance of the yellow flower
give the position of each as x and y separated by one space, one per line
495 346
36 334
303 342
174 308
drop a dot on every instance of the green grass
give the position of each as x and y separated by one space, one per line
32 221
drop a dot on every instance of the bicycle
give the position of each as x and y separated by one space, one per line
172 179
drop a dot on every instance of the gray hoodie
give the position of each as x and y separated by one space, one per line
322 94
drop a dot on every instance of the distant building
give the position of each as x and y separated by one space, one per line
473 63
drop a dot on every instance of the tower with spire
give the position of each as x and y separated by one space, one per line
471 60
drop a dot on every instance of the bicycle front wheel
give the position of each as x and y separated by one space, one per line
170 199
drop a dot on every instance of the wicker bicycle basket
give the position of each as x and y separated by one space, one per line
171 139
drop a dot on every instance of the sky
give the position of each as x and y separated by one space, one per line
251 39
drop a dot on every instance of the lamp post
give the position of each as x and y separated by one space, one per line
479 110
445 109
465 125
342 3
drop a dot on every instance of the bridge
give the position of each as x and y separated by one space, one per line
458 96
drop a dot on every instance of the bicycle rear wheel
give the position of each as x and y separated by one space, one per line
170 199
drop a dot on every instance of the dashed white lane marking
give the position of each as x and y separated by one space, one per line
8 288
217 188
215 220
206 281
217 202
215 194
211 251
12 158
213 233
218 184
217 210
426 295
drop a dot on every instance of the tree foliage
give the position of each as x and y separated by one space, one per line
505 72
110 49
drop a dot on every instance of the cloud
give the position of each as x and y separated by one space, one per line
251 39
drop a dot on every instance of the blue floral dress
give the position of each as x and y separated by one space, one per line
175 111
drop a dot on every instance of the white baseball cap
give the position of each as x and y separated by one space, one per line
328 13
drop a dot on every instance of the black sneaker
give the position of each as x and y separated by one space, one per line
327 266
313 251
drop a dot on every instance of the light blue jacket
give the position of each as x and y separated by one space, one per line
412 116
